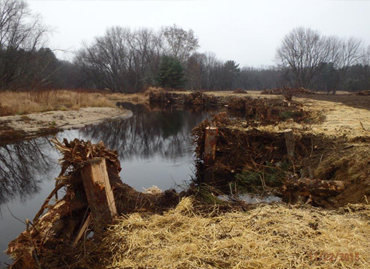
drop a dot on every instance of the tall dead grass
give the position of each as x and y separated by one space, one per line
18 103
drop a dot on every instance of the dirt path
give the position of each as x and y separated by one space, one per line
340 119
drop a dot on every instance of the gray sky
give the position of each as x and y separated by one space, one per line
247 32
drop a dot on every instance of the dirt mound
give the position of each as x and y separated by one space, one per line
240 91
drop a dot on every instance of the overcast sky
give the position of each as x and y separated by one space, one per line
247 32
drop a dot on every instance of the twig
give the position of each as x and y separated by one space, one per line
15 216
363 128
47 200
33 245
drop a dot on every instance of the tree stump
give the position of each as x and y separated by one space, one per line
98 192
290 143
210 145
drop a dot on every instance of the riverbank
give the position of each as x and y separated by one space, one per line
337 115
344 114
25 126
196 229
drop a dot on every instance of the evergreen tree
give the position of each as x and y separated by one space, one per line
171 73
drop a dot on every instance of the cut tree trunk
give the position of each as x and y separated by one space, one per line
98 192
210 145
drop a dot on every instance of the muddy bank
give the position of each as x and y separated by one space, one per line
25 126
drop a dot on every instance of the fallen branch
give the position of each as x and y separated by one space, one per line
313 187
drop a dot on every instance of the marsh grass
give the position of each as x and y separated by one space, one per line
20 103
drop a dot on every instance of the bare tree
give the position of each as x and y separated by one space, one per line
343 53
301 54
309 59
146 49
107 60
21 34
125 61
211 70
194 71
179 43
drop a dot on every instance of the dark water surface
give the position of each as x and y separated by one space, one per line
154 149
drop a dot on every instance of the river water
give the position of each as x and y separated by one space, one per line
154 149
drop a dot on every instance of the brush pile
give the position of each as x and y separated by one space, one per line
363 93
288 90
267 111
201 99
254 158
253 152
47 241
162 96
194 99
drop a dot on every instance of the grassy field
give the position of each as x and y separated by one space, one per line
19 103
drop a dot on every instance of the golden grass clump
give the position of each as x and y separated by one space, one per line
13 103
134 98
269 236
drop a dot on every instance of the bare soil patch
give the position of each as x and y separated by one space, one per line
16 127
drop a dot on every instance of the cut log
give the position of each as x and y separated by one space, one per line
98 192
290 143
314 187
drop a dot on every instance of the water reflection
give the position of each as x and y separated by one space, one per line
21 165
154 145
148 133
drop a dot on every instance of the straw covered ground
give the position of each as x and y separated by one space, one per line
268 236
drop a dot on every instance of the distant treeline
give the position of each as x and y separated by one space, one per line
126 60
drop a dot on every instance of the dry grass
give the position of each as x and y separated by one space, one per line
17 103
269 236
134 98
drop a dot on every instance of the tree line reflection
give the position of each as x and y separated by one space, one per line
148 133
22 167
